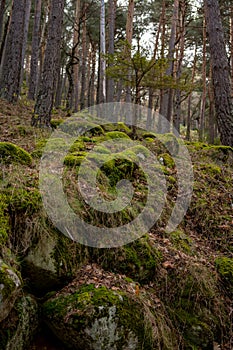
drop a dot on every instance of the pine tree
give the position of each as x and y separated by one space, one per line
11 65
220 71
45 98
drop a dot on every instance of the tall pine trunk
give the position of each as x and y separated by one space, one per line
111 24
102 62
45 98
221 72
33 79
25 38
11 63
167 97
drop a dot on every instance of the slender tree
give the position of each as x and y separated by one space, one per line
33 79
102 61
111 25
167 97
44 101
220 71
2 12
25 37
11 64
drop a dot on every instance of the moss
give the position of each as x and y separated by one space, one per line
77 146
181 241
210 168
137 260
150 135
95 308
224 267
116 135
74 159
4 220
167 160
10 153
56 122
195 305
117 127
78 127
9 281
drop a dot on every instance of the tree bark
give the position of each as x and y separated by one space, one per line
221 72
111 24
84 62
102 62
2 12
25 38
203 99
129 38
33 79
11 64
44 101
167 98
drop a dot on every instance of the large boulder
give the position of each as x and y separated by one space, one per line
103 311
18 329
10 286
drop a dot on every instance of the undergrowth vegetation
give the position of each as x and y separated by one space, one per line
187 275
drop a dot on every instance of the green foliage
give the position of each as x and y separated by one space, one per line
4 220
10 153
224 267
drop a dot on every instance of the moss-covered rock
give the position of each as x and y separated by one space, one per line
52 262
138 260
10 286
77 126
116 135
99 319
117 127
56 122
194 304
10 153
18 329
74 159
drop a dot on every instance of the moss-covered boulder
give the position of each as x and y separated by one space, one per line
107 313
10 153
18 329
138 260
52 262
10 286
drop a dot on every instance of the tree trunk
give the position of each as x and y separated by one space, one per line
11 65
102 62
129 38
221 73
151 90
4 38
76 40
203 99
44 101
2 12
180 56
25 38
111 24
84 63
33 79
212 128
188 132
91 90
167 99
231 48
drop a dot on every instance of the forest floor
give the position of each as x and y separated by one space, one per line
201 247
